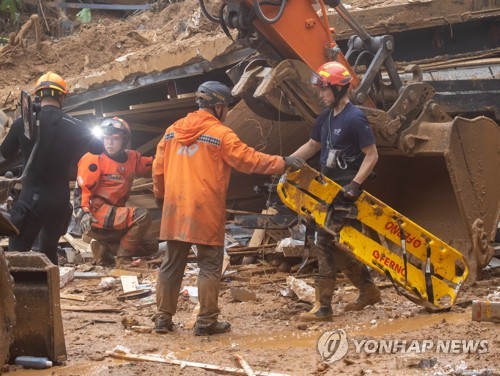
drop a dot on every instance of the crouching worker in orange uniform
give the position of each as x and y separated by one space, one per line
103 187
190 175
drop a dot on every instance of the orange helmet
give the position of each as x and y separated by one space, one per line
50 84
115 125
331 74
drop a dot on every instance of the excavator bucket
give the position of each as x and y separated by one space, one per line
430 271
447 181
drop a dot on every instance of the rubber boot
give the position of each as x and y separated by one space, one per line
322 310
369 294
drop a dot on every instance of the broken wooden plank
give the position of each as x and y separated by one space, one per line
259 235
150 145
184 363
101 309
235 250
89 275
96 321
243 363
194 316
80 298
77 244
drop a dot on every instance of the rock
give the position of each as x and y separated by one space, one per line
302 326
321 367
97 357
66 275
403 362
129 322
302 289
242 295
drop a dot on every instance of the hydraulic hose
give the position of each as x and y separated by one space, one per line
222 22
205 12
262 16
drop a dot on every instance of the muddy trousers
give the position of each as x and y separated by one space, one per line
209 261
331 259
126 228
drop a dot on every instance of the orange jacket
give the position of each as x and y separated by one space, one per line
191 173
103 180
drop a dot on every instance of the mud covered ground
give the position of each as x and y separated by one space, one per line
268 334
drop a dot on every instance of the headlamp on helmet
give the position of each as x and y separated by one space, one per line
114 126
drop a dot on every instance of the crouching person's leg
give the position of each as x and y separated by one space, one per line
104 245
133 243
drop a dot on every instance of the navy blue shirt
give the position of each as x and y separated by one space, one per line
348 132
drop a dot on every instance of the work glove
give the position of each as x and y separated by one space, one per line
294 162
159 203
352 191
86 222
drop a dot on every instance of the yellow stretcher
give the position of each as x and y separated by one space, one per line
421 266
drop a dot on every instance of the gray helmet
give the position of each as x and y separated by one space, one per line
211 93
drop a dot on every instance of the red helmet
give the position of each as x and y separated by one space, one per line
331 74
115 125
50 84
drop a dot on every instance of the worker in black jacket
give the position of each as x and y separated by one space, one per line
43 208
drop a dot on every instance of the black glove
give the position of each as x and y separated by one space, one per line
294 162
86 222
352 191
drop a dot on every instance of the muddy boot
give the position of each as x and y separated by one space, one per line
163 324
217 327
369 294
322 310
102 253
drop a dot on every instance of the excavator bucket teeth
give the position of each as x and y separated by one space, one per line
473 164
430 271
285 88
448 183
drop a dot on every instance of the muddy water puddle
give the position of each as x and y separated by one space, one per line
297 339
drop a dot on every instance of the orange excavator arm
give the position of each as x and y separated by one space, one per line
301 34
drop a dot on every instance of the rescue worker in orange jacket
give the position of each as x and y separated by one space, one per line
103 187
191 173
